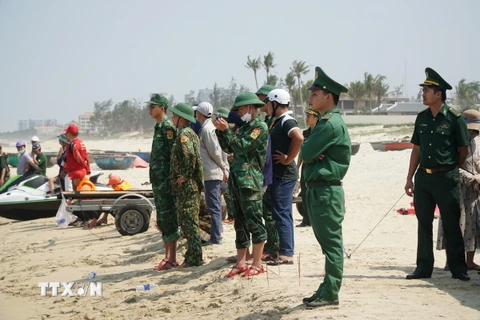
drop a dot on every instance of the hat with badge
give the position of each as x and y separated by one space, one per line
265 89
36 147
183 110
223 112
311 111
472 118
434 79
247 98
158 99
323 81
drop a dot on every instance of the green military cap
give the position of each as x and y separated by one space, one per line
311 111
223 112
246 98
158 99
322 81
183 110
434 79
265 89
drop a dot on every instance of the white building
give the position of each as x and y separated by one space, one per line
84 124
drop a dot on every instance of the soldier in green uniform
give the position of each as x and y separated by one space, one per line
272 245
163 138
186 178
325 196
249 146
440 140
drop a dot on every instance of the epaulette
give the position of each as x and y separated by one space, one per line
424 110
327 116
455 112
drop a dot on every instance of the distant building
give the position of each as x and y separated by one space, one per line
204 94
84 123
405 108
48 131
32 124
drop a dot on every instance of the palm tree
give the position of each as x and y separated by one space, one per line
299 68
268 62
290 84
381 90
370 83
255 65
356 91
272 80
467 94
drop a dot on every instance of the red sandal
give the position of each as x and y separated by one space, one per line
254 271
161 264
168 265
236 270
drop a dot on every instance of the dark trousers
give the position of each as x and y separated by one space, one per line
303 207
442 189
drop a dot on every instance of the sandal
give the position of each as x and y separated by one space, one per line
279 261
161 264
236 270
269 257
168 265
253 271
475 267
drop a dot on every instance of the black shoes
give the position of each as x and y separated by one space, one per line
417 275
461 277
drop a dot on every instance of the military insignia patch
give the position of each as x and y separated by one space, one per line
183 139
169 134
255 133
444 126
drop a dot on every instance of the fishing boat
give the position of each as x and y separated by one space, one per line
379 145
355 147
145 156
398 145
113 161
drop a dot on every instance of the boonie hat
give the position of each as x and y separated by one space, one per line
183 110
472 118
247 98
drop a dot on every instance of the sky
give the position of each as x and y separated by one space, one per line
57 57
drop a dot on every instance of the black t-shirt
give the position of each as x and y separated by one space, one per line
281 142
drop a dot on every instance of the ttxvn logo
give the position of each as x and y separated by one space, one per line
71 289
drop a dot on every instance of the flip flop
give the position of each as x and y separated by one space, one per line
236 270
475 267
279 261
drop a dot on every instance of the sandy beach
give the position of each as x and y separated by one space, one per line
374 285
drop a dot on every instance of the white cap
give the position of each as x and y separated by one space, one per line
205 108
35 138
280 95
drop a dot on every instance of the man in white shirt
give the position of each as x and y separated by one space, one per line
215 169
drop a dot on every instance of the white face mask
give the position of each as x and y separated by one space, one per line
247 117
21 151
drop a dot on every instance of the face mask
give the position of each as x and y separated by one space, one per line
21 151
247 117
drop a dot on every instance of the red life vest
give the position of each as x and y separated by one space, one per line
71 163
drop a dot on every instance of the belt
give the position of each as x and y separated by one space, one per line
322 183
438 169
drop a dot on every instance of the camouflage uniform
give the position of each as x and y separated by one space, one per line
273 242
185 161
249 146
167 219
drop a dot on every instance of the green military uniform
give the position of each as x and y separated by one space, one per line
272 245
163 138
249 146
4 165
42 163
325 196
186 162
437 181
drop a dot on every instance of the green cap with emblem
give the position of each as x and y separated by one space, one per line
223 112
265 89
322 81
183 110
434 79
158 99
247 98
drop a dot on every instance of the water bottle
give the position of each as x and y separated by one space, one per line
92 275
146 287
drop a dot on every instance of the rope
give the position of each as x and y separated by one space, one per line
349 255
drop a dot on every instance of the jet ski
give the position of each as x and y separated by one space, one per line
28 197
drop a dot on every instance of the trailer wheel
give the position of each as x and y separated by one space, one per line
131 220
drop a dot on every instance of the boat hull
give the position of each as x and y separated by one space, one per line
355 148
145 156
30 210
111 162
398 146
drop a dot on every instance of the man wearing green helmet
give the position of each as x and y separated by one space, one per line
186 178
249 146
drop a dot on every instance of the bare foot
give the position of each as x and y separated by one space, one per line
91 224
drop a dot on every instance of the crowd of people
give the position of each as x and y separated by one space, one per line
251 161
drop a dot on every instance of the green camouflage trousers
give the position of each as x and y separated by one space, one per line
187 204
273 242
167 218
247 206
